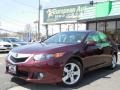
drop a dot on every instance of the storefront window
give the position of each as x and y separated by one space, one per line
118 25
111 30
64 27
118 32
92 26
52 29
101 26
111 26
70 27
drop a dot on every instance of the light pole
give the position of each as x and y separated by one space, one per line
39 8
36 29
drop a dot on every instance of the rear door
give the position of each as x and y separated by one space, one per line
94 52
106 47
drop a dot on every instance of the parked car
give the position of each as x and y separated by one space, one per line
15 42
62 58
5 46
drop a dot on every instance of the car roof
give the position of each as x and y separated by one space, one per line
82 31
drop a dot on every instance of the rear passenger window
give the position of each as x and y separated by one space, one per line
103 37
93 37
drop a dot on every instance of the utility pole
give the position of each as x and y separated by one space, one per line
39 8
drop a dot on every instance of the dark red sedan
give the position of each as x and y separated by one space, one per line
63 58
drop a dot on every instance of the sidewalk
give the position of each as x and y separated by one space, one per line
3 55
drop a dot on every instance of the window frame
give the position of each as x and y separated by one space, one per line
93 34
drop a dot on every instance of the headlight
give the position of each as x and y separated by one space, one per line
48 56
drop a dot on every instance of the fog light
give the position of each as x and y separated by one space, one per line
40 76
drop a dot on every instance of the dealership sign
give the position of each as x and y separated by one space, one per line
67 13
77 12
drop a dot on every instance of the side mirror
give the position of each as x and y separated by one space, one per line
90 43
43 39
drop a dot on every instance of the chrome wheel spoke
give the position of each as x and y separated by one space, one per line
77 73
65 78
114 61
73 66
72 79
66 70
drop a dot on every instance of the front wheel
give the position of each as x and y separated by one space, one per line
72 73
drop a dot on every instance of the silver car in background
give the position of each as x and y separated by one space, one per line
14 41
5 46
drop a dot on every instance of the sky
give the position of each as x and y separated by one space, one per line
15 14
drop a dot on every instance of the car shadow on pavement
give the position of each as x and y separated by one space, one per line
5 52
18 81
102 73
87 79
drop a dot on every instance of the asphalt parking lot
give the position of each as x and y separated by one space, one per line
102 79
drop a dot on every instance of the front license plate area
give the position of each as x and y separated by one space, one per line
12 69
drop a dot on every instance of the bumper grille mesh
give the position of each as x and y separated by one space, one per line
7 45
18 60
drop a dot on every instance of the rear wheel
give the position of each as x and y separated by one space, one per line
114 62
72 73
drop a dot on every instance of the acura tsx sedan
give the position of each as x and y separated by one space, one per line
63 58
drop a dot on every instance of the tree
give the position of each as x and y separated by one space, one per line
28 32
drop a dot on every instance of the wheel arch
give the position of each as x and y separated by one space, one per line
116 54
79 59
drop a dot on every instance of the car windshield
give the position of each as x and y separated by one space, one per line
66 37
1 40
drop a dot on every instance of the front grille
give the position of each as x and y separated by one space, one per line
18 60
7 45
21 74
2 49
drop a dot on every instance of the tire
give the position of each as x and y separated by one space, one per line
72 73
113 62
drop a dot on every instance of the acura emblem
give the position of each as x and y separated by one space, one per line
16 55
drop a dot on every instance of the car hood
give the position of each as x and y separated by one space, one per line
39 48
5 43
21 43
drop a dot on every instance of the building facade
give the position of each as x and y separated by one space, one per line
101 16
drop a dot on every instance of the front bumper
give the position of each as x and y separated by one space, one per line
4 49
38 72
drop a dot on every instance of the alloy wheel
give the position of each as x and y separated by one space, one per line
114 61
71 73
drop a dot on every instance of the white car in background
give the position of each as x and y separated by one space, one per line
5 46
14 41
